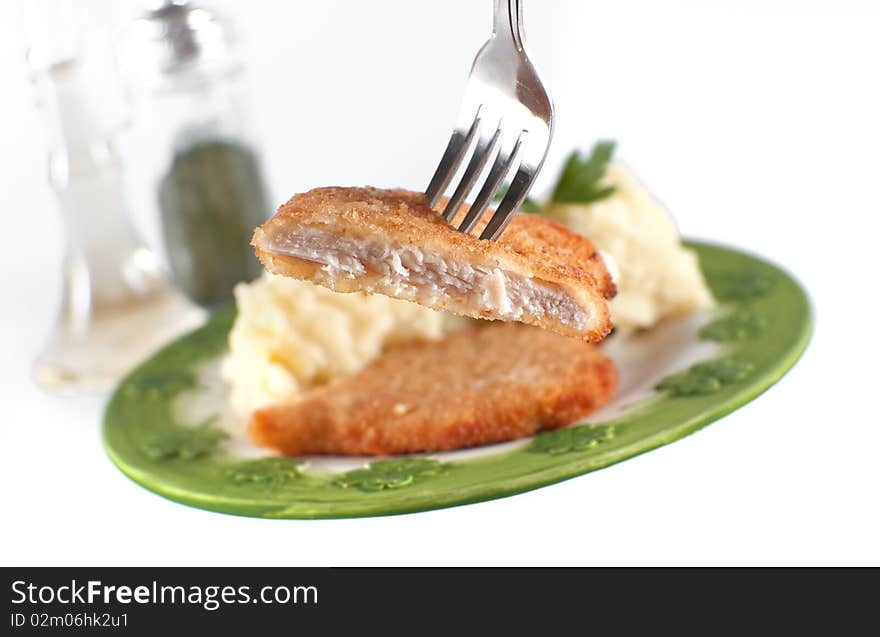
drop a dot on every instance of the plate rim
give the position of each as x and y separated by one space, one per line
531 480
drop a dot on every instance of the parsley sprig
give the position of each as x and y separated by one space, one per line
581 178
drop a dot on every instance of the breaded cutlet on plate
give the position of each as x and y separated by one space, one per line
476 386
391 242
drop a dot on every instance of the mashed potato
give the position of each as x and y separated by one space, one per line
292 335
656 277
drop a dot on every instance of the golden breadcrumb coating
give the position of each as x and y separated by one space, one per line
391 242
481 385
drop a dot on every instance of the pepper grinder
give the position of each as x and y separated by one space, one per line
186 79
116 306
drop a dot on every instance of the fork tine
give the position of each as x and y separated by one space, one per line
455 151
517 192
503 162
482 153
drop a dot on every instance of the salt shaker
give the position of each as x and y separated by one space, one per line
116 307
187 84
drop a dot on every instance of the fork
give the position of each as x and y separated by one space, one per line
506 113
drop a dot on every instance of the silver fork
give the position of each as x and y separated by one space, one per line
506 110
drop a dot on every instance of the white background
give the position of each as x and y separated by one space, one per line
756 122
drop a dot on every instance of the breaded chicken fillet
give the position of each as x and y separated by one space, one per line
391 242
476 386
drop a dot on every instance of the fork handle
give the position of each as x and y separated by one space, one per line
508 21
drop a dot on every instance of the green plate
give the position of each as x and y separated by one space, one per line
675 379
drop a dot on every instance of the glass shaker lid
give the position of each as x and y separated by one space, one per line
176 36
